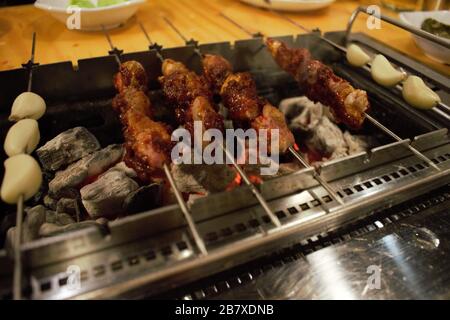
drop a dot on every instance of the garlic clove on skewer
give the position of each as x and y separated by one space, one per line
418 95
384 73
23 176
22 137
27 105
356 56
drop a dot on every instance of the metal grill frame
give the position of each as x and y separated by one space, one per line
182 257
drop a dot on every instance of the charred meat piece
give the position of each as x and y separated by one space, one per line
238 90
320 84
131 75
272 118
201 110
216 69
239 95
190 95
147 142
180 85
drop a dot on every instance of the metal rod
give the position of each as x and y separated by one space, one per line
236 24
175 29
429 36
396 137
184 209
253 188
316 176
147 36
30 74
230 157
17 281
370 118
17 277
151 43
344 50
299 157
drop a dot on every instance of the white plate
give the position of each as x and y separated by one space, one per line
291 5
91 19
431 49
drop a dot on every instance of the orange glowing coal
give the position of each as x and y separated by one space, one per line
237 181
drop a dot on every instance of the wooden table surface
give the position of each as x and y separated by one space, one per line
196 18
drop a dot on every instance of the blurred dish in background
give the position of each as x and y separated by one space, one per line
431 49
291 5
92 14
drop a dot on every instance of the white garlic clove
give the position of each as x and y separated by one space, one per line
418 95
28 105
23 176
22 137
356 56
384 73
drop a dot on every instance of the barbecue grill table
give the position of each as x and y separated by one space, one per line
395 212
198 19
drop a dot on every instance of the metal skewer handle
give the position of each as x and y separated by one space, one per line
398 23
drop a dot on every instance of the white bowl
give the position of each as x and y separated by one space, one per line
90 19
431 49
291 5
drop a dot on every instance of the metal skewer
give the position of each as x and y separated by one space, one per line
241 172
366 67
17 277
319 179
370 118
184 209
296 154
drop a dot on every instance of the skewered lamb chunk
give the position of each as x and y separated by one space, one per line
320 84
148 142
239 95
190 95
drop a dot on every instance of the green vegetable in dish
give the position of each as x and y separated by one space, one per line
104 3
82 3
94 4
437 28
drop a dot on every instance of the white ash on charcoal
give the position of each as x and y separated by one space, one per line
323 135
205 179
88 167
105 197
66 148
40 222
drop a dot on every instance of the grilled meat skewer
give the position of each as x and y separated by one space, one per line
147 142
190 95
239 95
320 84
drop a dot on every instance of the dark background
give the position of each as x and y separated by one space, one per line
14 2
